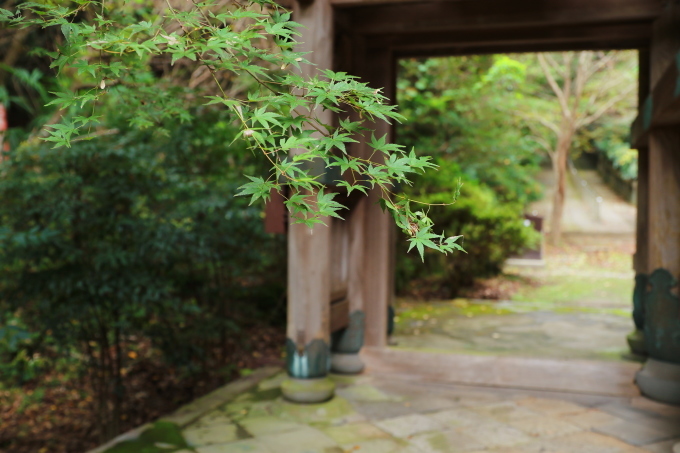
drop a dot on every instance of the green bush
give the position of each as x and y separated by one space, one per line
134 236
491 229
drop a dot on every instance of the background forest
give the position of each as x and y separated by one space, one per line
152 284
492 122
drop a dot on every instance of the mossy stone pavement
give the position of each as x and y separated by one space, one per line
387 415
515 328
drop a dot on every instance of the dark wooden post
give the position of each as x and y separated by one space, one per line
378 280
636 339
660 377
309 250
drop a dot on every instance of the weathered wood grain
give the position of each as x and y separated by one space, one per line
309 250
339 315
641 257
339 259
499 40
666 39
664 193
378 290
410 17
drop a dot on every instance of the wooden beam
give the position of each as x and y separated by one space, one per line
490 49
410 17
586 37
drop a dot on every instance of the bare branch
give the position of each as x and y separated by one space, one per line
553 84
580 80
608 85
535 119
605 107
554 64
599 64
544 144
567 58
16 48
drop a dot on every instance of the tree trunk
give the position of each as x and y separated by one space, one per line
560 169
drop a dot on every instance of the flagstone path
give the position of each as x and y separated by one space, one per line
377 414
515 328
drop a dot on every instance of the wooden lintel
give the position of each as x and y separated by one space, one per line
528 47
536 39
369 18
662 107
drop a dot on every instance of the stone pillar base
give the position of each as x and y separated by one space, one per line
346 363
636 342
308 391
660 381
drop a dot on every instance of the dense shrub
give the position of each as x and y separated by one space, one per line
131 236
492 230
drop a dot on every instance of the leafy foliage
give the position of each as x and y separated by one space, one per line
609 139
495 227
110 48
129 236
458 110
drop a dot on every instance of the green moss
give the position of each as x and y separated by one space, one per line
484 309
614 355
342 379
566 289
241 433
266 395
424 318
438 442
593 310
319 415
240 410
429 311
273 382
160 437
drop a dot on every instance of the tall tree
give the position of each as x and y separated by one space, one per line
573 91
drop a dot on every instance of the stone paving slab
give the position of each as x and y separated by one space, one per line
375 414
578 376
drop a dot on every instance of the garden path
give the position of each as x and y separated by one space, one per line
376 413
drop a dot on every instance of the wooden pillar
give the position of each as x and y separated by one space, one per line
309 250
664 196
347 343
640 262
665 41
660 377
635 339
378 275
